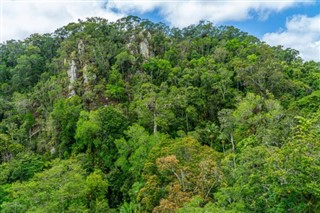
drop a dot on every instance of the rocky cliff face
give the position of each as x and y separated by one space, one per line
144 50
140 44
78 68
144 45
72 75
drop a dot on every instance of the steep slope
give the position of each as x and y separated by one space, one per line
134 116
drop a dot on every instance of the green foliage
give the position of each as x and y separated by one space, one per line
62 188
124 61
308 104
9 147
255 121
299 168
115 88
177 170
96 133
28 69
20 168
65 115
158 69
157 119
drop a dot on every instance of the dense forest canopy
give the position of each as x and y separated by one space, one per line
135 116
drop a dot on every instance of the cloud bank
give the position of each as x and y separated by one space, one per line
302 33
181 13
24 17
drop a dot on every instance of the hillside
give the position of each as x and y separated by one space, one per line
134 116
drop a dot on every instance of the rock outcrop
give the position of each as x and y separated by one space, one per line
144 45
140 44
72 75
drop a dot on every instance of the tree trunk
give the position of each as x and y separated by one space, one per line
233 149
154 122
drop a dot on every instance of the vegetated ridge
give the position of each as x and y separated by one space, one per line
135 116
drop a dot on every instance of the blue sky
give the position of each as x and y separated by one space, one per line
276 20
255 26
290 23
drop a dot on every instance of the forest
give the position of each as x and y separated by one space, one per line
134 116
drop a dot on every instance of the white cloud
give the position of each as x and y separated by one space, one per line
20 19
302 33
181 13
140 6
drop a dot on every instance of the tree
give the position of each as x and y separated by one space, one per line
176 171
28 69
158 69
124 62
8 147
133 154
115 88
65 115
153 108
260 119
96 132
296 169
262 75
21 167
62 188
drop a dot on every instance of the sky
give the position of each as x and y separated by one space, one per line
290 23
